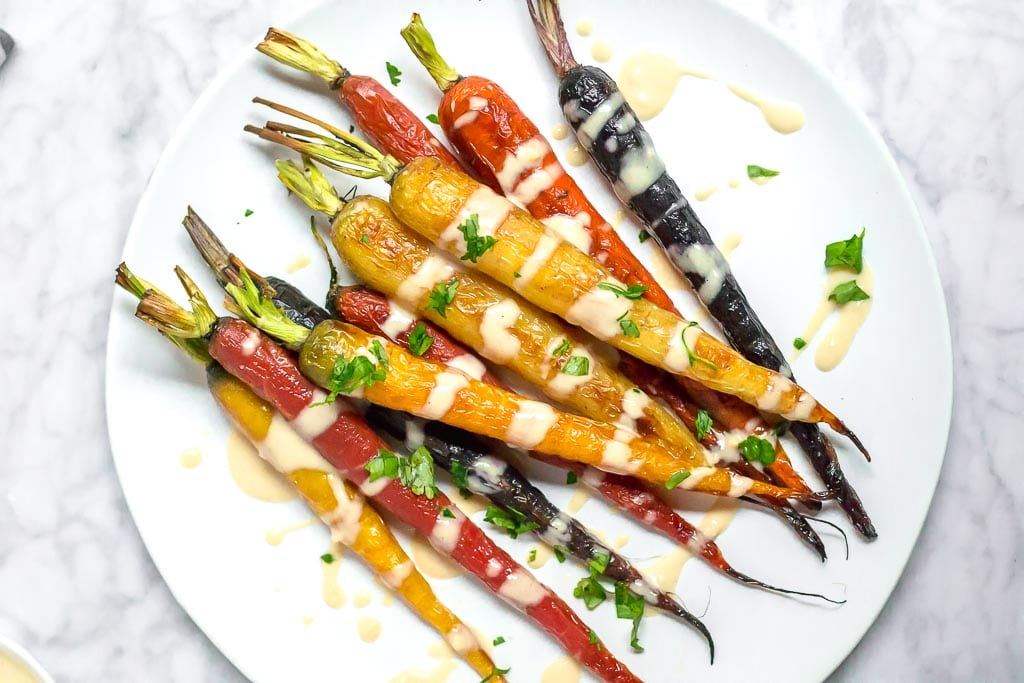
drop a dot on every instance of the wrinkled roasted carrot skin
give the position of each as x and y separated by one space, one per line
375 543
349 444
659 384
368 310
499 129
392 126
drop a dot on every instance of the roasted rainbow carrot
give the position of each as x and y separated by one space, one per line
608 128
445 206
339 504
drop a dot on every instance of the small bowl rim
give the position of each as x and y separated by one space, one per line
22 655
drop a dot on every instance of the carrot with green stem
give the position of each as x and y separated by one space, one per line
339 504
490 234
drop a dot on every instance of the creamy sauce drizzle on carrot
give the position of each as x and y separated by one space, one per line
648 81
837 341
432 563
579 498
253 475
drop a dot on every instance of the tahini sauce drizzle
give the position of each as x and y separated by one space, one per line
729 244
601 51
369 629
585 28
13 670
560 131
190 458
277 536
648 81
331 590
439 674
254 475
562 670
833 347
431 562
576 155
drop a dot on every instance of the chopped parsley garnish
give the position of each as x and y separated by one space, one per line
593 637
644 236
532 557
517 275
590 591
248 212
629 605
365 239
561 348
849 253
629 327
799 343
476 244
495 672
432 118
442 295
756 449
599 562
419 340
559 553
847 292
577 366
377 349
327 558
755 171
702 424
393 73
571 478
694 358
447 512
500 640
630 292
460 477
415 472
677 479
781 428
349 375
512 521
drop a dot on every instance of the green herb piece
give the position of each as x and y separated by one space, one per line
432 118
348 375
847 292
702 424
590 591
629 605
415 472
799 343
849 253
677 479
327 558
365 239
756 449
571 478
781 428
248 212
495 672
630 292
384 464
442 295
755 171
532 556
393 73
629 327
577 366
512 521
694 358
447 512
517 275
593 637
599 563
377 349
559 553
476 244
644 236
500 640
460 477
419 340
561 348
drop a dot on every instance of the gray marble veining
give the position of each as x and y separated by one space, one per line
94 91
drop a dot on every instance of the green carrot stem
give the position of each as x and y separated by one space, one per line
301 54
419 40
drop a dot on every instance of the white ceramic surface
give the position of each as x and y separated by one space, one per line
206 537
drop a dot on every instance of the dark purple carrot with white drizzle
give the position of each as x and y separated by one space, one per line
610 131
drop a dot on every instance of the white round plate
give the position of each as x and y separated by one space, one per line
894 388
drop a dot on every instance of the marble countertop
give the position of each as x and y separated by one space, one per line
95 90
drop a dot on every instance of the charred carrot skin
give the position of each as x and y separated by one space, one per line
348 444
620 146
386 121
